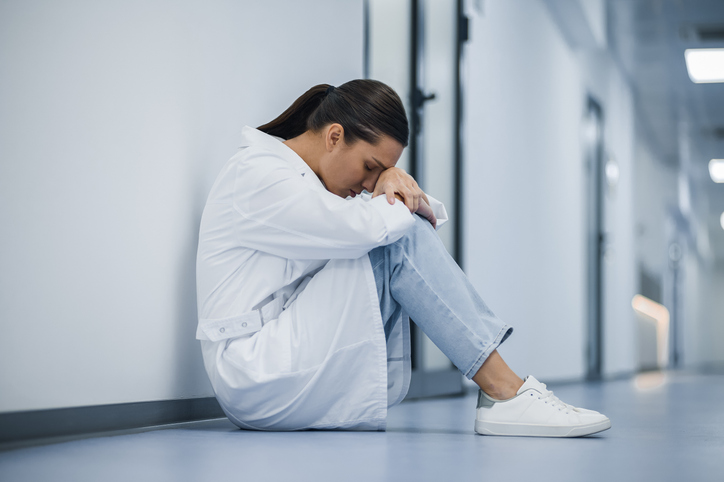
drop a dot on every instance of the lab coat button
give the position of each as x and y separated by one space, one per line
243 325
222 329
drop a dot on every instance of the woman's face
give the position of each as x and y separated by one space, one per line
347 170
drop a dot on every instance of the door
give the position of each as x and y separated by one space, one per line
596 236
415 46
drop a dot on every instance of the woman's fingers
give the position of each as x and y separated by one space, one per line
426 211
390 193
409 197
409 193
424 197
432 219
394 181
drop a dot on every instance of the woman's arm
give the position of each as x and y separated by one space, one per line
284 214
396 183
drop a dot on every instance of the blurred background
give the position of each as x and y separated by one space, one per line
575 152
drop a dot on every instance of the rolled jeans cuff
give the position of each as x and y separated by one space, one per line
503 335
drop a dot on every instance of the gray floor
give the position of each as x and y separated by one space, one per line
665 427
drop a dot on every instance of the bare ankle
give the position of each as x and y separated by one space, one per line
496 379
501 391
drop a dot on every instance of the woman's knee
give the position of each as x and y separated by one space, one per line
421 229
420 233
420 237
422 223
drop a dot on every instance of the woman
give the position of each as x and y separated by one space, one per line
313 250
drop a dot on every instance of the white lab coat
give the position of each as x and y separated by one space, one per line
289 319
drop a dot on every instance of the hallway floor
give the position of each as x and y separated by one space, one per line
664 427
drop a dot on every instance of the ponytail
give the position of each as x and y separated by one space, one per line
366 109
293 121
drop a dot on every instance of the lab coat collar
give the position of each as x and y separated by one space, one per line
255 137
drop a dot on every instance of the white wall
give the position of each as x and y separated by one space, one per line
656 190
524 231
525 178
701 273
114 120
704 341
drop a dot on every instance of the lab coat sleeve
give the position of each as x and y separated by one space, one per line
282 213
438 209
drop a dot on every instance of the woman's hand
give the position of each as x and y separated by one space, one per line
396 183
426 212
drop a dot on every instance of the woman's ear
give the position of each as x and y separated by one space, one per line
334 137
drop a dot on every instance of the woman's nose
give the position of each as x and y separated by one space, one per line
369 184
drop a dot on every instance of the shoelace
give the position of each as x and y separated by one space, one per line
548 396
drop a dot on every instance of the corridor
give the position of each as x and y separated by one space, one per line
666 427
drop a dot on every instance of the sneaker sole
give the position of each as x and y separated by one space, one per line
527 430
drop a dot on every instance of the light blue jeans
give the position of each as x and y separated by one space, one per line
416 274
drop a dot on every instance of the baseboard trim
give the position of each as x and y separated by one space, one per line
41 424
424 384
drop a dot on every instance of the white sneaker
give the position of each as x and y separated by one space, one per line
535 412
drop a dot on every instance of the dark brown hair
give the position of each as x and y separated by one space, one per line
366 109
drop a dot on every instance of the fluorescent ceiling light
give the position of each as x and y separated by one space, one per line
716 170
721 220
705 65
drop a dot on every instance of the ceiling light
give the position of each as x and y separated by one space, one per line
705 65
716 170
721 220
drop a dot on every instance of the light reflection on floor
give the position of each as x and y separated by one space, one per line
650 380
665 426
